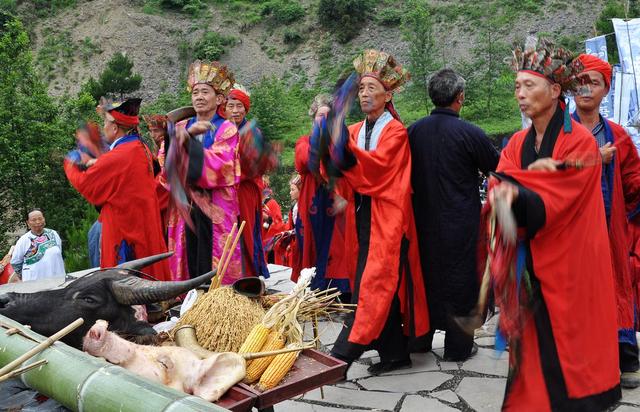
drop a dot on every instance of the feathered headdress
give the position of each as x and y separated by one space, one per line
212 73
383 67
155 121
543 58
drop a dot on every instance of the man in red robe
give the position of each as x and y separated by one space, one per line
250 187
563 349
122 183
386 278
621 192
320 210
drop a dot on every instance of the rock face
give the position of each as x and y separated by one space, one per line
158 44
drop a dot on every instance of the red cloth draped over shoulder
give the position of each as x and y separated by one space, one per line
384 174
572 261
250 204
122 182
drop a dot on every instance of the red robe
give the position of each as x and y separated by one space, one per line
384 174
626 195
273 210
122 182
250 202
574 365
336 268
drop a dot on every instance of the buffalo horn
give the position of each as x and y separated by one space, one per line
132 290
144 262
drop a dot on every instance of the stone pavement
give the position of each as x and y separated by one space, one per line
430 385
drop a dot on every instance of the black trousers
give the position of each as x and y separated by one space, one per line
457 342
628 357
392 344
199 243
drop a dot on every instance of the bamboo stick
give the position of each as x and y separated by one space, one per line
19 371
230 254
225 250
42 346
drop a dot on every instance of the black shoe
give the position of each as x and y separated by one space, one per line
384 367
472 352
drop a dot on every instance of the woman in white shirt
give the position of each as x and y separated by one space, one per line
38 253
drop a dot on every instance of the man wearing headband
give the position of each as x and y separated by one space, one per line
555 286
387 281
250 188
213 173
122 183
620 182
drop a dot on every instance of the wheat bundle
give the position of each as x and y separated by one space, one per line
223 319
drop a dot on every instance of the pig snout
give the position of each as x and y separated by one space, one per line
94 339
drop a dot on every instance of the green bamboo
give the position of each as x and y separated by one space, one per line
82 382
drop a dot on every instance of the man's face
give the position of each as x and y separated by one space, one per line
235 111
535 94
157 134
36 222
321 113
372 95
204 99
110 129
595 82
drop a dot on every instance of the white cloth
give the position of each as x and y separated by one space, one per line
38 257
380 124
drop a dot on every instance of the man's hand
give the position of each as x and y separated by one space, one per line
90 162
505 191
339 204
199 127
606 152
546 164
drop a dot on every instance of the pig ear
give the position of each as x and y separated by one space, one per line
217 374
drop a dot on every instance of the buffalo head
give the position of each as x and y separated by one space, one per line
104 294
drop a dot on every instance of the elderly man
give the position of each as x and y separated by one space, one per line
386 279
558 309
621 192
209 145
38 253
122 183
446 155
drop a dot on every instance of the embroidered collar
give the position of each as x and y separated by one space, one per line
380 124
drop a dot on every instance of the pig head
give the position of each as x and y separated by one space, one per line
172 366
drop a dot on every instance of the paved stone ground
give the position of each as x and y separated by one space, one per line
430 385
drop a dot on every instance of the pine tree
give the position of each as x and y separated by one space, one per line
116 80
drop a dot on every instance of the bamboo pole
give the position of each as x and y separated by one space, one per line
42 346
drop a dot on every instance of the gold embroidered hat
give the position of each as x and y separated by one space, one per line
383 67
212 73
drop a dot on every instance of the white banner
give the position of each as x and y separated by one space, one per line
628 39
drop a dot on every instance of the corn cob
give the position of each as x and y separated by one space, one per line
255 340
258 366
277 370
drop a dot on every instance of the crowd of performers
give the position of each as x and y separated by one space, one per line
392 217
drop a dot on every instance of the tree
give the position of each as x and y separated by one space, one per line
345 18
117 79
32 142
417 31
604 25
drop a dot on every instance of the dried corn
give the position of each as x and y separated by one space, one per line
255 340
257 367
277 370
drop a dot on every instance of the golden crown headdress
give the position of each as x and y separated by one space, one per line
383 67
212 73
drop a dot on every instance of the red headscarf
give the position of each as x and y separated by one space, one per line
594 63
237 94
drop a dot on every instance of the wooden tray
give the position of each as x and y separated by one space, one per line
312 370
237 399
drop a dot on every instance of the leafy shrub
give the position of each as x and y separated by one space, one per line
187 6
391 16
344 17
212 45
292 36
283 11
116 80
